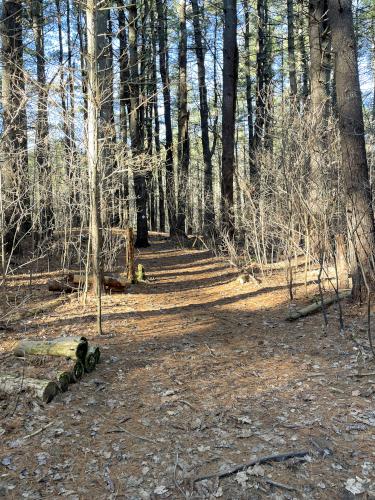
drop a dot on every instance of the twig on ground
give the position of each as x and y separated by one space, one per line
262 460
278 485
187 404
38 431
142 438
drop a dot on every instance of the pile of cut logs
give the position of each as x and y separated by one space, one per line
59 362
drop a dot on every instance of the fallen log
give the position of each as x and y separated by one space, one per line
96 351
111 282
77 372
69 347
45 390
317 306
53 366
56 285
60 370
90 360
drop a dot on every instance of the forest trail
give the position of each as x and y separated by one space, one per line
198 373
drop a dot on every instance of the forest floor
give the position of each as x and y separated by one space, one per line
199 373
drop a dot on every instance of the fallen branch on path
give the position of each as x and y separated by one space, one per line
262 460
35 433
317 306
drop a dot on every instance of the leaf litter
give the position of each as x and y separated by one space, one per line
214 377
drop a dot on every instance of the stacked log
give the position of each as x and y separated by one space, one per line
45 367
68 347
45 390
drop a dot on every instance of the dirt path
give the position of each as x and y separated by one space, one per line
199 373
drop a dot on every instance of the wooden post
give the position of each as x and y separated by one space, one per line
129 254
341 262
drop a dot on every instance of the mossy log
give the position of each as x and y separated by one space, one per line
45 390
68 347
317 306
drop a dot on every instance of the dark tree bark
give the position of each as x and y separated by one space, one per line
135 135
318 93
304 88
164 72
203 110
319 113
291 50
159 179
14 144
262 69
41 127
82 56
124 95
249 99
183 121
230 74
360 215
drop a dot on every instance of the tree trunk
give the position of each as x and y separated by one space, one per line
159 175
249 100
230 74
360 215
261 62
318 119
14 143
129 254
41 128
164 72
304 88
124 97
203 110
317 13
291 50
183 121
94 100
135 130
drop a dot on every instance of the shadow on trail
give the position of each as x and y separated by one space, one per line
168 311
